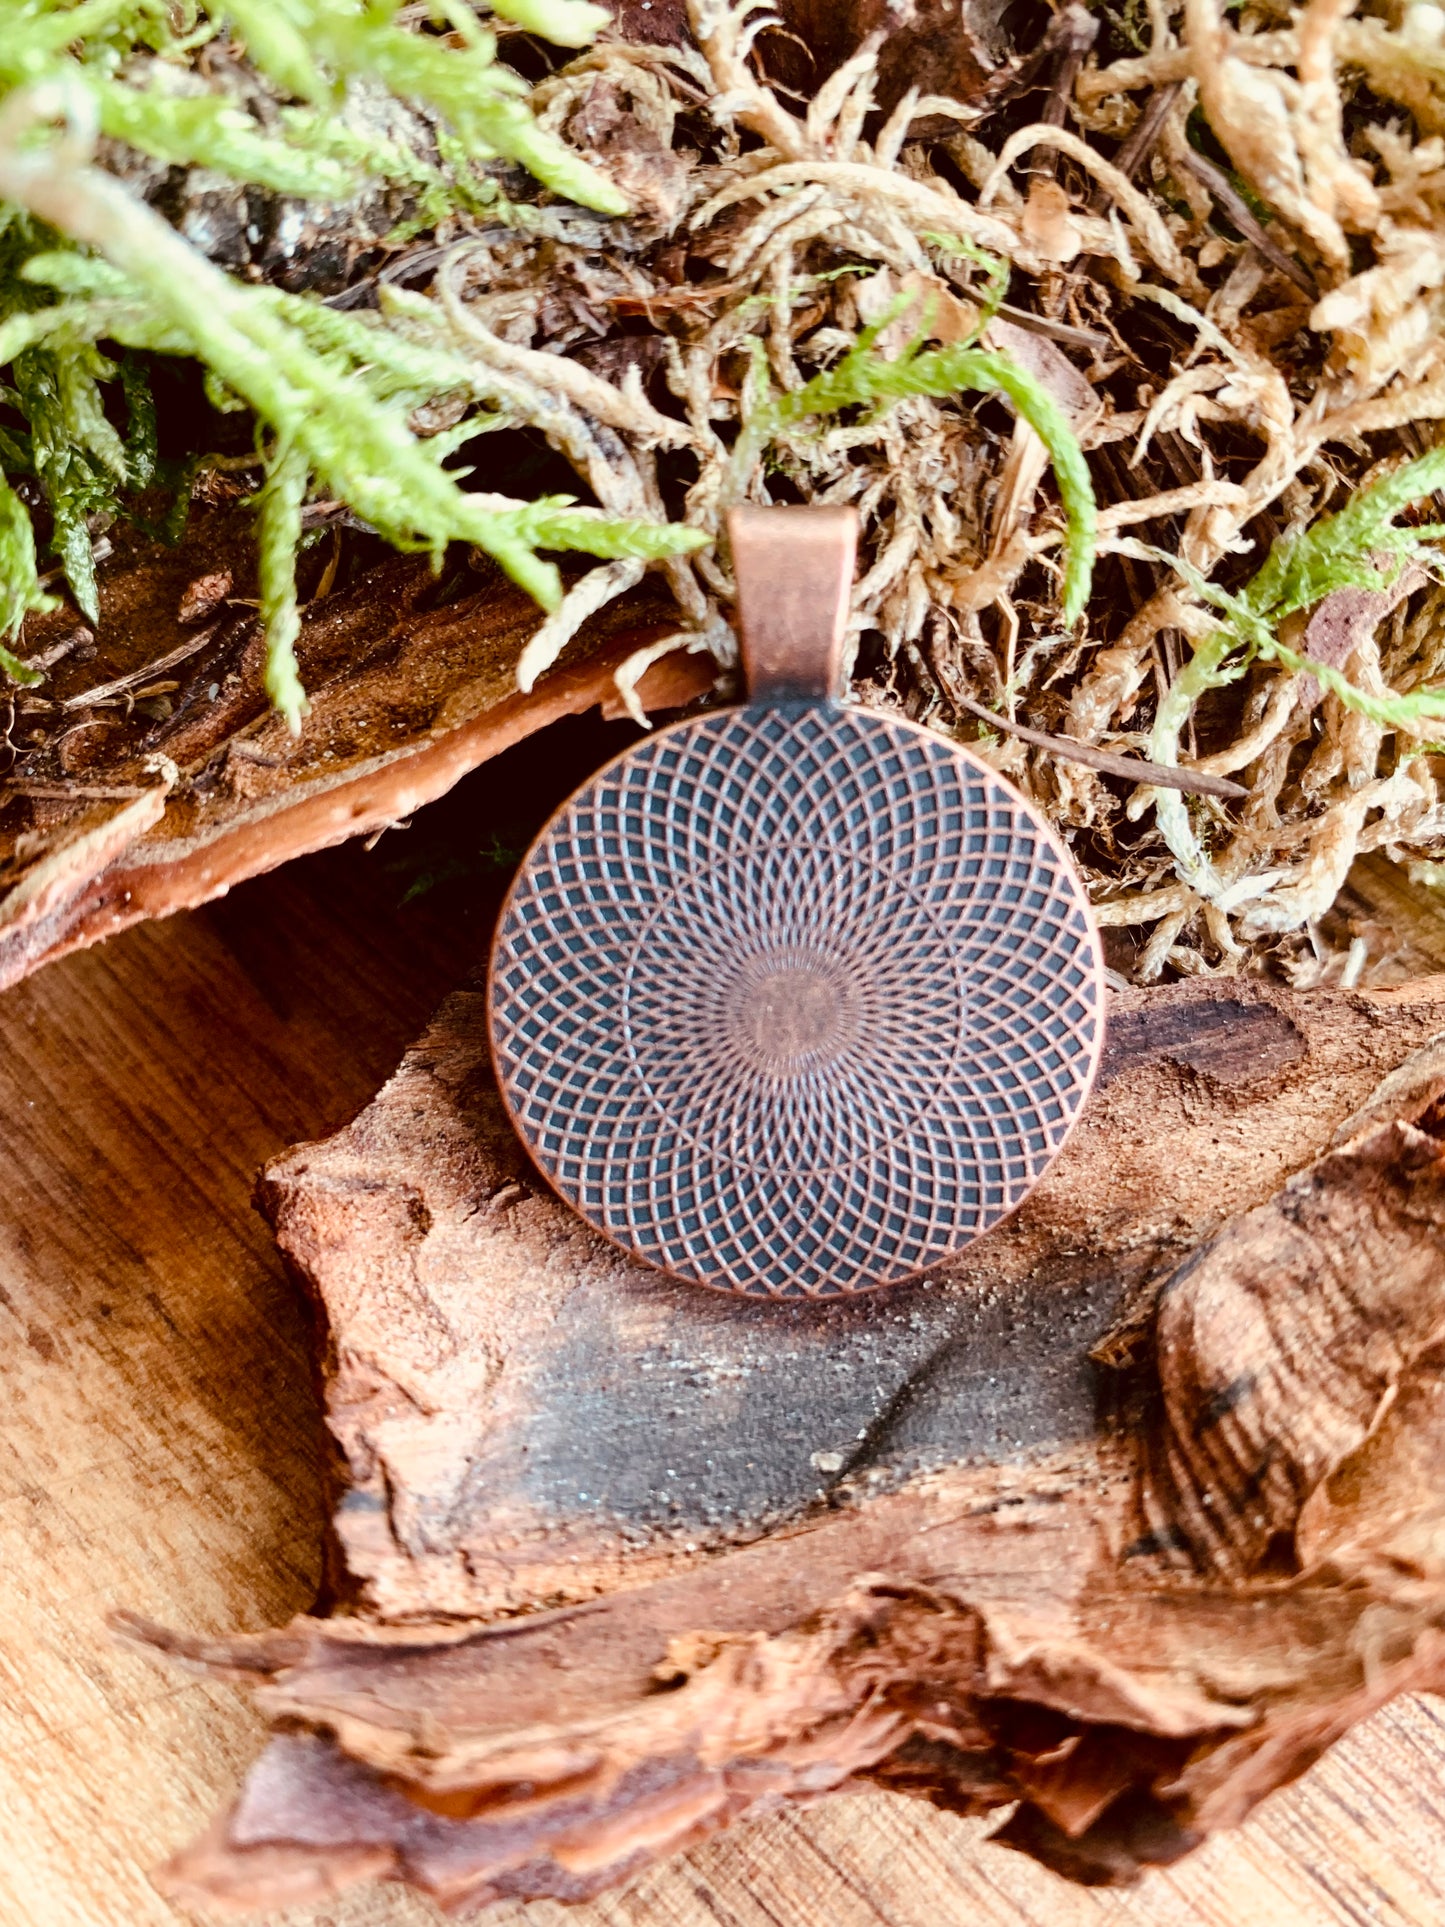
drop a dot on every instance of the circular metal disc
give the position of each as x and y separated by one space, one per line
795 1000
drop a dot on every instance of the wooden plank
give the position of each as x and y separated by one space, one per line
158 1450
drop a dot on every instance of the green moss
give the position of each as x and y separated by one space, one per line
863 378
20 590
1361 546
86 268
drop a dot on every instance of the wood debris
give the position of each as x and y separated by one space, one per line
412 686
620 1562
1226 237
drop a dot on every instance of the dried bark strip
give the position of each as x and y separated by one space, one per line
407 697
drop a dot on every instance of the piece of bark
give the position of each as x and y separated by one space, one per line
1233 1481
621 1560
115 809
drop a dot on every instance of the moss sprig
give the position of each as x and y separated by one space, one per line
864 377
1361 546
87 268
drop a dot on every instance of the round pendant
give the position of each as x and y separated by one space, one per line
798 998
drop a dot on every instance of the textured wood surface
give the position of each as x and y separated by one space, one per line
114 811
765 1552
527 1417
158 1450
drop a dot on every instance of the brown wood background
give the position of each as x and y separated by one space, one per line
159 1450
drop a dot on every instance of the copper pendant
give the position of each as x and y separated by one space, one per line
798 998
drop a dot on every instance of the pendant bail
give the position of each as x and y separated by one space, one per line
794 573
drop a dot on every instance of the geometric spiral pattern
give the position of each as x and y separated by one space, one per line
795 1000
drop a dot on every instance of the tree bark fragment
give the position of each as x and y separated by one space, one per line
1122 1517
119 805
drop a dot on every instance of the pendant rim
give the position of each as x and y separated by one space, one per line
1088 954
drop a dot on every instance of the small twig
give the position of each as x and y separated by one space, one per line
333 515
55 652
57 743
1242 216
101 550
1133 769
1183 463
1039 324
1059 36
408 266
1007 86
1073 32
102 692
1140 143
1077 32
1135 150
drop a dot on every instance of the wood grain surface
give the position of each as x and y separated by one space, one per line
159 1450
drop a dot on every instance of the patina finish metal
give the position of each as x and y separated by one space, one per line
797 998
